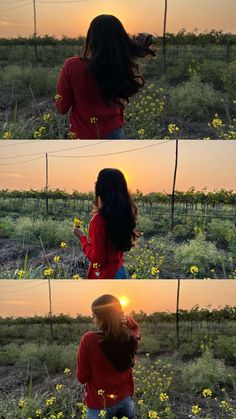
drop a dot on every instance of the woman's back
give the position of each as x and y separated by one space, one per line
90 116
97 373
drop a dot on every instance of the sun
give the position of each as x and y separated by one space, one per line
124 301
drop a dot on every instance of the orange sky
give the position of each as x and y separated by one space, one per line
73 18
27 297
201 163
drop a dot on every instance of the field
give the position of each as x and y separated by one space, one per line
37 240
193 98
195 380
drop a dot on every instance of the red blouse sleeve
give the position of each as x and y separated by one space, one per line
94 248
83 364
64 95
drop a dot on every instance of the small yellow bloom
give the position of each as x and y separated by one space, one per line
21 403
57 97
63 245
194 269
38 412
154 271
21 273
173 129
57 259
196 409
48 272
51 401
102 414
6 135
206 392
77 277
47 117
101 392
67 371
93 120
60 415
72 135
96 265
77 222
59 387
141 132
163 397
152 414
141 402
134 276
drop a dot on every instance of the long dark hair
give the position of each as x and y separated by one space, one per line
117 207
118 345
112 56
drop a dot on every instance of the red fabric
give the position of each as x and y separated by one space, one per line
97 373
79 93
100 250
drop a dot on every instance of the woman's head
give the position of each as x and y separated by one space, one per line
118 344
107 313
114 203
112 53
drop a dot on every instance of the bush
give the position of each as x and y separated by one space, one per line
199 252
193 100
206 372
7 227
212 72
51 232
229 79
222 232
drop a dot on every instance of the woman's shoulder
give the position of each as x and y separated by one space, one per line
98 218
91 336
75 61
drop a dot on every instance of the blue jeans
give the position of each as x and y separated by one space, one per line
118 134
121 273
124 408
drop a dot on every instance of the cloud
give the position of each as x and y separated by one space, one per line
4 23
15 302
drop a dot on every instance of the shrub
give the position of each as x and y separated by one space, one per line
229 79
200 253
206 372
193 100
222 232
7 227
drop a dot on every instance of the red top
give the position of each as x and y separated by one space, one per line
99 249
77 91
97 373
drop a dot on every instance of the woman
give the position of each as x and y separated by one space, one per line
112 228
105 360
95 88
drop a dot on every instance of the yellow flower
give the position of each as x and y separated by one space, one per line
76 276
141 132
140 402
60 415
153 414
164 397
21 273
134 276
194 269
47 117
67 371
59 387
217 122
77 222
101 392
102 414
38 133
21 403
72 135
57 97
63 245
48 272
51 401
196 409
38 412
6 135
172 128
206 392
96 265
154 271
56 259
93 120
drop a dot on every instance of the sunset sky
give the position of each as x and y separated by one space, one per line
150 168
72 18
26 298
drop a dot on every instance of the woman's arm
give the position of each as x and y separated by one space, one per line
64 95
95 248
133 326
83 364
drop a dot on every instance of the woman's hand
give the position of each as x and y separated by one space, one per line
78 232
